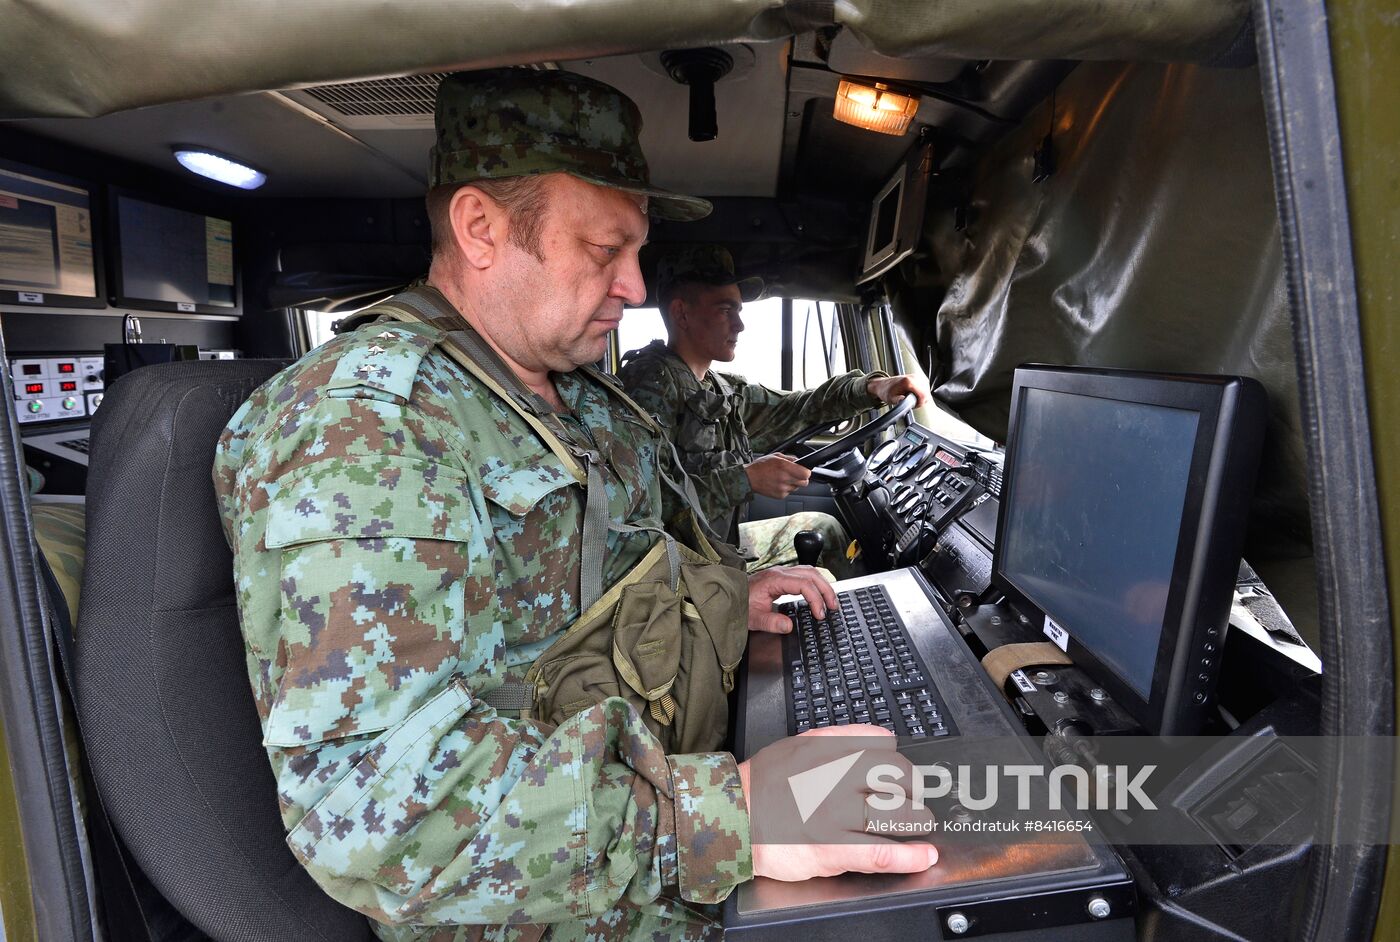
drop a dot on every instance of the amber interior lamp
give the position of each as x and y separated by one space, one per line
875 107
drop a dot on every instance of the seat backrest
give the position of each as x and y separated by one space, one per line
164 703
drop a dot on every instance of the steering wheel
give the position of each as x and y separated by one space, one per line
848 442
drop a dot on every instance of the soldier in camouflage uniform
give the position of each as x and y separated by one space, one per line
412 537
718 421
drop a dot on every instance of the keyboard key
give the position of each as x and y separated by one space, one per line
859 665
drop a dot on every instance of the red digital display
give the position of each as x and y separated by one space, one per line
68 367
32 369
948 459
33 389
68 385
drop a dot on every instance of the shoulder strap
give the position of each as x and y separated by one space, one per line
426 305
726 388
610 384
466 348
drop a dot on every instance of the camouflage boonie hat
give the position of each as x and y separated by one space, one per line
707 264
497 123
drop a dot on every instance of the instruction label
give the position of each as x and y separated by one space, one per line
1056 634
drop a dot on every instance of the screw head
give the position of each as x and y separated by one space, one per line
1061 697
958 924
1098 694
1099 908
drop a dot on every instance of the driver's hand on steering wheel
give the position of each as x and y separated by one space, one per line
892 389
776 476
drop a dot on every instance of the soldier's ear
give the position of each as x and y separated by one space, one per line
477 226
675 313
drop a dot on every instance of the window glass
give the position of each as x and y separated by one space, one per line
639 327
319 326
816 335
759 356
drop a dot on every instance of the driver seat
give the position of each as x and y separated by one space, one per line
164 704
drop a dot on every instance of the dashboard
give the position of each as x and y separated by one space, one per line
922 498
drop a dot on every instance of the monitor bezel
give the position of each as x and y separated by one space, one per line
876 255
96 207
910 176
1196 614
119 296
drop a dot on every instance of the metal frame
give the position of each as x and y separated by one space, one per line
32 710
1345 882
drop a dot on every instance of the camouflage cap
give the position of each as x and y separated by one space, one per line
514 122
707 264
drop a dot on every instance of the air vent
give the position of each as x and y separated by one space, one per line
375 104
410 95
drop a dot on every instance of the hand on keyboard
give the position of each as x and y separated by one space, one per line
836 836
772 584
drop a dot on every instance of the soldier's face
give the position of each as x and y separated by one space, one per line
560 310
711 322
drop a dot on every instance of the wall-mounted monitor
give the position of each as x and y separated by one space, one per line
169 259
1122 520
49 253
897 214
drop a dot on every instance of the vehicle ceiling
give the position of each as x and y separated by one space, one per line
371 139
788 59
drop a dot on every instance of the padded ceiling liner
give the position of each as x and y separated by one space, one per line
1137 253
82 58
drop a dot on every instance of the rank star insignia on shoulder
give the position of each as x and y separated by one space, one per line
379 364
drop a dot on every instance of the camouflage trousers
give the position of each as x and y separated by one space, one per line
623 923
771 541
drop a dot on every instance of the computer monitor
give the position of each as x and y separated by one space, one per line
48 250
168 259
897 214
1122 521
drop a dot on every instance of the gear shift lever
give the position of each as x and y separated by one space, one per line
808 544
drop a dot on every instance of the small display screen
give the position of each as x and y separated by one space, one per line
886 215
1093 519
46 241
175 256
33 369
33 389
67 368
68 385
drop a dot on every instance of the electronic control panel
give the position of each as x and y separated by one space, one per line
921 485
57 387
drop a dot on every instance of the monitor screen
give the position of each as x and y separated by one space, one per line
1123 511
1100 492
882 225
47 249
179 260
896 214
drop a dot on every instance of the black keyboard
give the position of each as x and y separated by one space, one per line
77 444
860 666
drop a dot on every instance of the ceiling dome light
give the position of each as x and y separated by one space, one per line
216 166
875 108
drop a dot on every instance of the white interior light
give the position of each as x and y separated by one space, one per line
218 167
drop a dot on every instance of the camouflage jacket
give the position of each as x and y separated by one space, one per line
403 543
718 426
